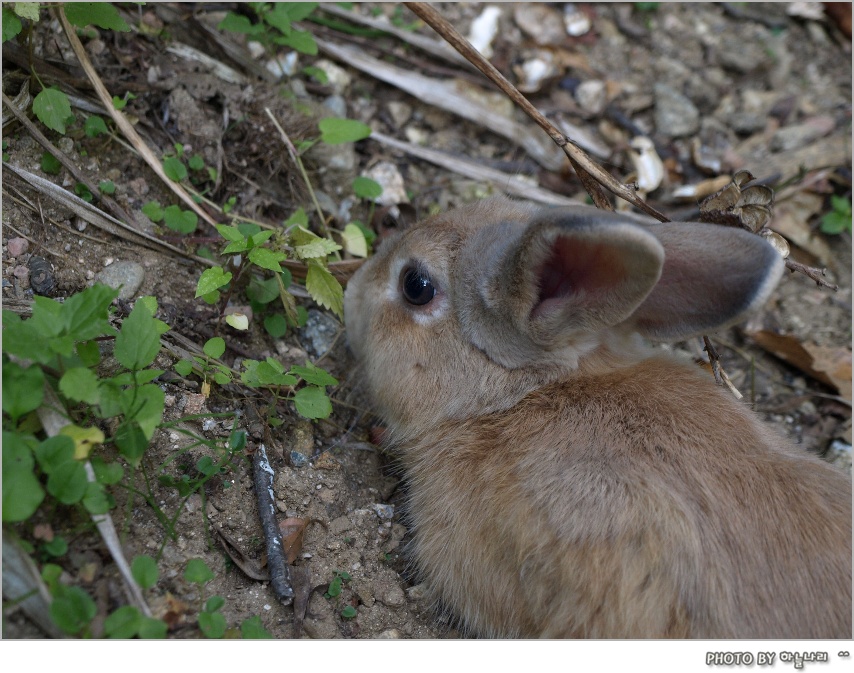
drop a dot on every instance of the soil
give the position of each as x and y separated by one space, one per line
767 88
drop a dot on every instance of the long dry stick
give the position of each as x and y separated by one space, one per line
123 124
589 172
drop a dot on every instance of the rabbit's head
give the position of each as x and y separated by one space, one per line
468 311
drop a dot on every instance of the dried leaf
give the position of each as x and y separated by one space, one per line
791 219
251 567
293 530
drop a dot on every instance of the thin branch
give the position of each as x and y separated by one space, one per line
589 172
811 272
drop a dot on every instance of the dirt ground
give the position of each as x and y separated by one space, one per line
758 87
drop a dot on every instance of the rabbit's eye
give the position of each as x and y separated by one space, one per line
417 287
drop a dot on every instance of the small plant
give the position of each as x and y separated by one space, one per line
273 27
837 220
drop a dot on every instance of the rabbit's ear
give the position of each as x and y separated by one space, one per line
537 292
712 277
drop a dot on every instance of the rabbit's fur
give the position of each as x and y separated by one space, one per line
565 479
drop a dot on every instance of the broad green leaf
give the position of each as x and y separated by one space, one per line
24 339
52 108
131 442
184 367
214 347
152 628
262 291
214 603
299 40
123 623
27 10
354 241
89 353
312 402
324 288
67 482
196 162
96 500
315 375
107 187
335 131
145 571
54 451
174 168
81 385
85 315
148 411
299 218
101 14
23 388
50 164
153 211
12 26
180 220
56 547
252 628
237 23
212 279
107 473
198 572
262 236
292 11
276 325
320 247
212 624
22 492
94 126
230 233
73 610
267 259
138 342
365 188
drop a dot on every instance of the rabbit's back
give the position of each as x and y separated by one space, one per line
642 502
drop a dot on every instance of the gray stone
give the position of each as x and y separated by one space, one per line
675 115
124 274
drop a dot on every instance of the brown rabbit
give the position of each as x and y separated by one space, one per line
568 481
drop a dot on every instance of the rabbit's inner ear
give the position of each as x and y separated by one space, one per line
588 277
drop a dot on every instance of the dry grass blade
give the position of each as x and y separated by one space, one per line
503 182
445 95
589 172
97 217
123 124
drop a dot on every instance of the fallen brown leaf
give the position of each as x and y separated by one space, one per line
293 530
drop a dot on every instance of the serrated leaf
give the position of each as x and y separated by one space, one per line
12 26
138 343
230 233
354 241
81 385
84 315
101 14
324 288
23 388
212 279
267 259
312 402
335 131
53 108
320 247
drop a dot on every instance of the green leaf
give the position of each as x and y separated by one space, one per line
276 325
12 26
365 188
85 314
73 610
22 492
56 547
335 131
196 162
50 164
107 473
151 401
198 572
292 11
96 500
299 218
23 388
212 624
123 623
94 126
144 570
214 603
237 23
54 451
174 168
131 442
89 353
81 385
152 628
27 10
349 612
214 347
138 343
52 108
312 402
267 259
314 375
107 187
354 241
67 482
324 288
299 40
252 629
101 14
262 291
320 247
82 190
180 220
261 237
230 233
184 367
212 279
153 211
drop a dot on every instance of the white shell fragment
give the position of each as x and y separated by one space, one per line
390 179
534 71
577 22
484 29
648 165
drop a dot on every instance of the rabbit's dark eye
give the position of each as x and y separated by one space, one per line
416 286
